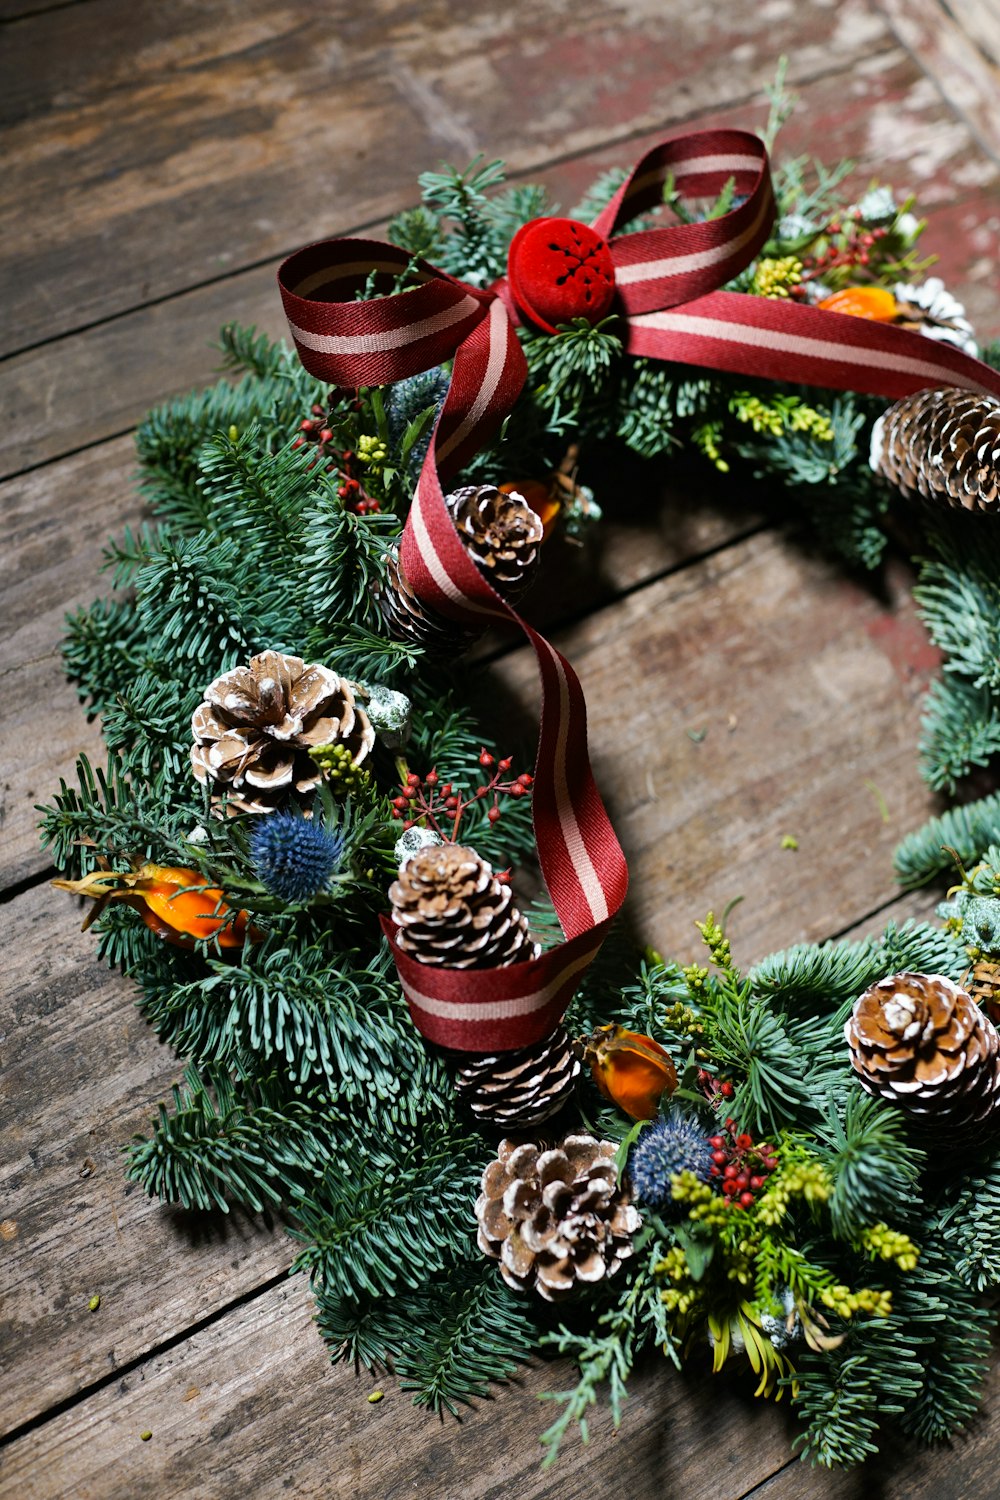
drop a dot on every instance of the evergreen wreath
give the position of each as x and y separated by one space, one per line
708 1162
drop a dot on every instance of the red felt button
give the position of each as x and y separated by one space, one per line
559 270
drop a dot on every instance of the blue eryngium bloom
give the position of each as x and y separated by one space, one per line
294 857
674 1144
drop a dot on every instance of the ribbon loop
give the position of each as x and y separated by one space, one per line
661 267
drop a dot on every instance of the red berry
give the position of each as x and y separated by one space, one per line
485 758
526 780
744 1142
770 1162
517 790
396 813
729 1188
410 823
305 425
342 492
493 814
505 765
715 1171
399 802
719 1157
727 1091
298 442
718 1141
316 410
743 1179
482 791
451 803
445 788
757 1182
325 435
412 779
431 778
730 1171
746 1200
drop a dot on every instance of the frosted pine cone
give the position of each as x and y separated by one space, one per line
555 1219
450 909
518 1090
920 1042
931 309
257 724
943 446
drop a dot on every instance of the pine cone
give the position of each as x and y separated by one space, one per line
919 1041
254 731
983 984
451 910
943 446
517 1090
555 1218
501 533
406 619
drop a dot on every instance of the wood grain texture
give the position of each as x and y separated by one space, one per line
958 44
56 523
755 695
82 1072
151 148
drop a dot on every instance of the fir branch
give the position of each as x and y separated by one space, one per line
397 1220
874 1170
968 831
216 1146
246 350
960 729
469 1332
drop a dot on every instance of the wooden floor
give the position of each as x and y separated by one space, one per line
158 160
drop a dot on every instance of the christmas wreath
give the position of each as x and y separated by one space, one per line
489 1134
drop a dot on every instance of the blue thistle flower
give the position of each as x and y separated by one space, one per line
674 1144
294 857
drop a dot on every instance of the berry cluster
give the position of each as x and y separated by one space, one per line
434 803
847 247
742 1165
315 430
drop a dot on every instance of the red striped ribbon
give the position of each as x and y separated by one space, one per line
667 283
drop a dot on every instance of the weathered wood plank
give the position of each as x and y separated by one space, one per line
249 1404
76 391
82 1072
177 143
57 521
756 695
958 47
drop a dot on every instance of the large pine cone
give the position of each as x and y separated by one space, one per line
254 731
555 1218
501 533
920 1042
943 446
518 1090
450 909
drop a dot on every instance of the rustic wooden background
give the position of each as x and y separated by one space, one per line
158 160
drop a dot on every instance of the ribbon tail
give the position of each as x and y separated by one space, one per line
775 339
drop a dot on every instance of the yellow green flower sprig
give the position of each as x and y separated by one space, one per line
740 1277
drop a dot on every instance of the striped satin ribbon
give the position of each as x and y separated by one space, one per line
668 294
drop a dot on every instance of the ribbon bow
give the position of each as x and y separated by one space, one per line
664 283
